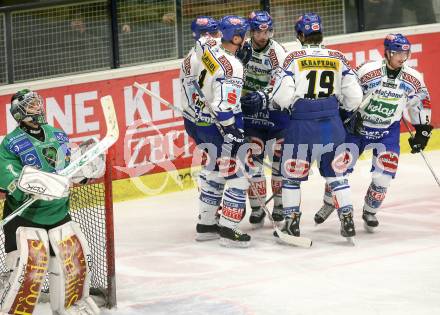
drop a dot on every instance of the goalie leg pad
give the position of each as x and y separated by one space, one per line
27 268
69 271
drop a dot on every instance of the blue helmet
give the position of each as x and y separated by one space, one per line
203 24
396 42
231 25
308 23
260 21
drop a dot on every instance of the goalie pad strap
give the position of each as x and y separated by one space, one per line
28 267
69 276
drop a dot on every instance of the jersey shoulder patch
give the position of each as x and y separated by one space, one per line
293 55
227 67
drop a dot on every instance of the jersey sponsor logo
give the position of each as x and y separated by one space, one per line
340 56
273 58
31 278
231 95
209 62
61 137
226 66
211 42
342 162
389 95
295 168
30 158
377 73
187 65
388 161
293 55
238 83
227 166
316 63
374 134
389 85
232 211
412 80
20 145
382 109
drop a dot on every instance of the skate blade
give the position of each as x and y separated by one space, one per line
226 242
351 241
202 237
369 229
256 226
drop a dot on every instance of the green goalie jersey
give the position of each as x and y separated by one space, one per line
19 149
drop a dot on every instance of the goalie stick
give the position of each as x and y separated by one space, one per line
286 238
74 166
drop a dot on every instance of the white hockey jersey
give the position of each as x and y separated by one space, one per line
261 68
189 71
387 98
316 72
221 80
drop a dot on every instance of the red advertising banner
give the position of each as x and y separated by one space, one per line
152 136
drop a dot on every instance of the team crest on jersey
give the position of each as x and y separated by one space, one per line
209 62
50 154
318 63
226 66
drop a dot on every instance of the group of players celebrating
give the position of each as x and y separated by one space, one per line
247 98
244 100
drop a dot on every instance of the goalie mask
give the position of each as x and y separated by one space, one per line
27 106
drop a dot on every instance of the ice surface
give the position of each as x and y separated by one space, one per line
162 270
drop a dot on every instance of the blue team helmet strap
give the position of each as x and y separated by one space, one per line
308 23
203 24
232 25
397 42
260 21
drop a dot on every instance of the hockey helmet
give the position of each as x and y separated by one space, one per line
308 23
203 24
232 25
396 42
260 21
27 105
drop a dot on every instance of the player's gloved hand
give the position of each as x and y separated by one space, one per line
234 137
353 121
421 138
244 53
254 102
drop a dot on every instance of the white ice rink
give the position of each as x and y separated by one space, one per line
162 270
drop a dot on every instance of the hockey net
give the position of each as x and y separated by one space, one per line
91 206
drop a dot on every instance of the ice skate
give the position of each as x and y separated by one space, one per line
233 238
323 213
370 221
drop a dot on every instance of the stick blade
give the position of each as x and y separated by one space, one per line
294 240
111 121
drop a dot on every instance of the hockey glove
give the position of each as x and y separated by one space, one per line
244 53
233 138
421 138
254 102
353 121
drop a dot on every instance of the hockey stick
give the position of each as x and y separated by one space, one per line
422 154
289 239
186 115
164 101
74 166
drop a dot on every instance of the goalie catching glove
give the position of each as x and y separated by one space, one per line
44 185
94 169
421 138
